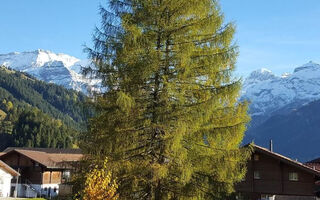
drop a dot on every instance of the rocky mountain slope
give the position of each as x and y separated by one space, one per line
277 102
285 109
50 67
295 134
268 92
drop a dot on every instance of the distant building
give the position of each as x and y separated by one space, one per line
314 164
275 177
44 171
6 175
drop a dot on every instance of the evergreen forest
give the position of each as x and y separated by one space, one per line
38 114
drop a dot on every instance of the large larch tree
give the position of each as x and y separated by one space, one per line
168 118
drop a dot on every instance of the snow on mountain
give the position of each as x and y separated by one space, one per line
268 92
60 69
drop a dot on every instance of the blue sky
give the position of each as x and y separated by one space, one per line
275 34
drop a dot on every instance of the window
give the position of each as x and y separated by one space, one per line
293 176
256 157
256 175
66 176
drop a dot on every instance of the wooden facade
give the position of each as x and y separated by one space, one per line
43 171
33 172
270 174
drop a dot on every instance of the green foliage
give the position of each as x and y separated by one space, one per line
9 106
52 99
32 128
169 120
36 114
2 115
35 129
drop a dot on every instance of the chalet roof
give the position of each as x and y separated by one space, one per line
285 159
46 150
48 157
8 169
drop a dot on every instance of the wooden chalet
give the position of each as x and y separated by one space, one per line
44 171
270 176
275 177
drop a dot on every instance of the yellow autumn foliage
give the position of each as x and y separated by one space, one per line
99 184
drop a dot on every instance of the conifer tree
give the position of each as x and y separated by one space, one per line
169 119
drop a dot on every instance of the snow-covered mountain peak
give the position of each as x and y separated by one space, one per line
60 68
268 92
36 58
285 75
44 56
308 66
261 75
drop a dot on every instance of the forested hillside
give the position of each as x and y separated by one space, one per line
37 114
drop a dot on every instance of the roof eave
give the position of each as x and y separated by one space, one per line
286 160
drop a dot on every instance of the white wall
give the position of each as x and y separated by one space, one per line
5 183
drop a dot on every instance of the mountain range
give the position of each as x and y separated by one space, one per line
283 108
50 67
268 92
